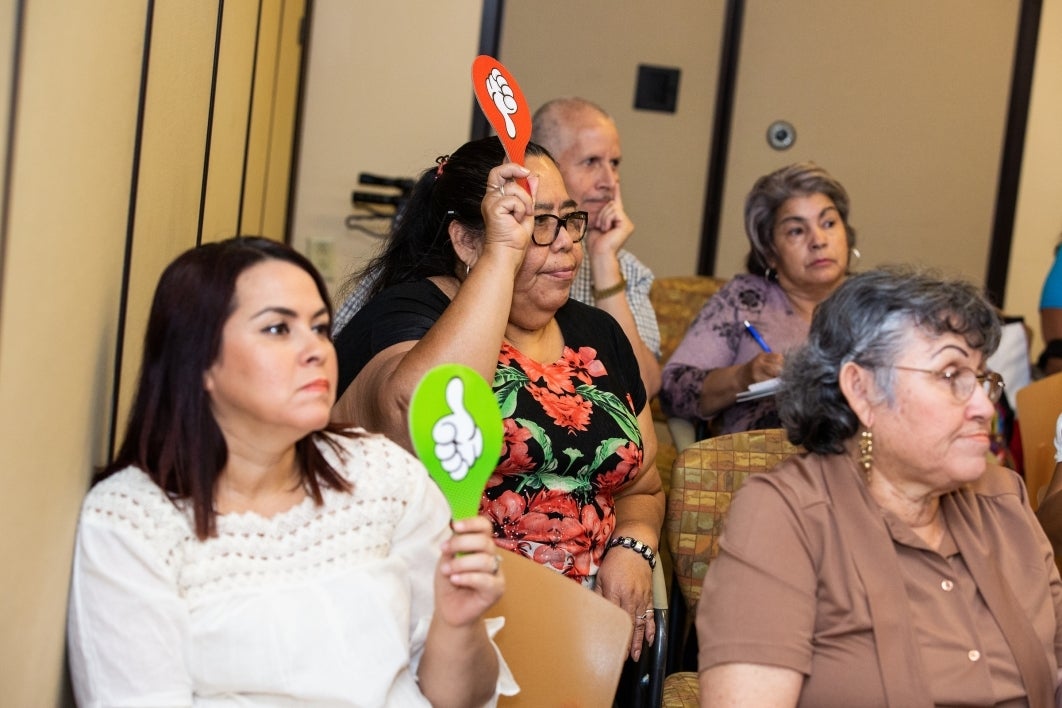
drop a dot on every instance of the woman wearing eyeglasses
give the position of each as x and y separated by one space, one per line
891 565
800 250
477 272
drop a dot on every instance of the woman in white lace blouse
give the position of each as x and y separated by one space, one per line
239 550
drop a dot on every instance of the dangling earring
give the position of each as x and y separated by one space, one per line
866 452
468 269
768 274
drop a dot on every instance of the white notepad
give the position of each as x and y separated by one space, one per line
760 389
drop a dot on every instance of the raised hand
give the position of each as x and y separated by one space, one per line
508 210
611 228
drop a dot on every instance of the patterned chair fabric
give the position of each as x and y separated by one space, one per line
682 690
703 481
676 301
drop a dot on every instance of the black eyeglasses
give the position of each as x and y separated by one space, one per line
548 226
965 380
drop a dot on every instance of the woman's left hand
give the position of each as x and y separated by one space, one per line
468 578
626 579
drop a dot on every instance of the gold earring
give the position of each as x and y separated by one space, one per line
866 451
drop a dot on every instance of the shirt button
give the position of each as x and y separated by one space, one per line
974 655
946 585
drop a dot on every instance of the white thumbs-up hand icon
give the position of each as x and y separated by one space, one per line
458 441
504 100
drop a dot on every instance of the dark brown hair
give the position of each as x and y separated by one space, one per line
171 434
771 191
419 246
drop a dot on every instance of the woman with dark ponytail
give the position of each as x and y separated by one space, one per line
478 273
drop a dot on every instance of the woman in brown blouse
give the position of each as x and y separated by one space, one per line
891 564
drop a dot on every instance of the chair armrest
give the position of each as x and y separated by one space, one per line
657 669
683 433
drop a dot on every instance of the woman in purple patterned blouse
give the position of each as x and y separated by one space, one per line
796 219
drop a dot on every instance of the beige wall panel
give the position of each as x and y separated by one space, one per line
172 157
259 131
905 102
73 147
7 66
593 49
263 180
232 101
389 88
1038 221
285 94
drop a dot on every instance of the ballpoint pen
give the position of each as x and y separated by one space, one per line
757 336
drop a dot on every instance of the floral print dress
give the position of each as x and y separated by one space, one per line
569 445
571 426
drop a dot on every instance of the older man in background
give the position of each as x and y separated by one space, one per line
584 140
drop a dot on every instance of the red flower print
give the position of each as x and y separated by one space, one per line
612 480
582 566
553 501
630 462
562 542
506 512
548 529
571 412
556 558
557 378
599 520
514 457
596 534
506 355
583 364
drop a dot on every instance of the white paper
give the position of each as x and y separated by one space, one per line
760 389
1012 361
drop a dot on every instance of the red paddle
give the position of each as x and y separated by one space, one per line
502 101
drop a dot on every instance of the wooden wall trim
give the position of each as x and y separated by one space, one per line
1013 150
730 52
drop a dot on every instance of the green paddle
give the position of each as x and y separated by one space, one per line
457 432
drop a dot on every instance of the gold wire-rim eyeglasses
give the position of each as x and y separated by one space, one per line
963 381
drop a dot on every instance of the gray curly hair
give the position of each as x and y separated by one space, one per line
771 191
867 320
